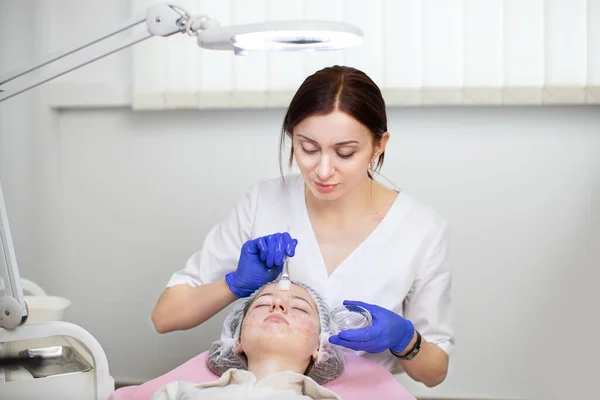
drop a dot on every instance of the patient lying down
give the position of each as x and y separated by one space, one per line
274 345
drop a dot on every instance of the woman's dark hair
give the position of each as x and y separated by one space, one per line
334 88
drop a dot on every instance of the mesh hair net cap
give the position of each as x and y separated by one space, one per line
328 366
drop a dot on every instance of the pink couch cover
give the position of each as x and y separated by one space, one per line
362 379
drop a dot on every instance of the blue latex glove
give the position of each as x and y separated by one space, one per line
387 331
261 261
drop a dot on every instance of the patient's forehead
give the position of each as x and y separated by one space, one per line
296 291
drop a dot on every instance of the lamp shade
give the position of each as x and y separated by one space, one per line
294 35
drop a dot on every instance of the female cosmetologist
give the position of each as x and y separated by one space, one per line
356 238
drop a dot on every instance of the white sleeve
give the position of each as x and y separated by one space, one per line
221 249
428 303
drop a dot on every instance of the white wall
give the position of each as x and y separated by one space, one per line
16 128
120 199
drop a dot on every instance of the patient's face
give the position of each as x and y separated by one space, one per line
282 321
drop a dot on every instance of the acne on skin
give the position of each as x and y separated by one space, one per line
280 331
302 318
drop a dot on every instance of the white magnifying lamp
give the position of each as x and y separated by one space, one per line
281 36
165 20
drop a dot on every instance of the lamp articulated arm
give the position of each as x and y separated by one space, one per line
165 20
160 19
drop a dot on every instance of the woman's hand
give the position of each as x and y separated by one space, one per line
261 261
387 331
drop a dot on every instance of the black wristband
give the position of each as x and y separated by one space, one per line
413 352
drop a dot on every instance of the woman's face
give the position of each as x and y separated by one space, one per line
333 153
286 321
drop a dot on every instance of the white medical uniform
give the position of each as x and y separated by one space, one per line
237 384
402 265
